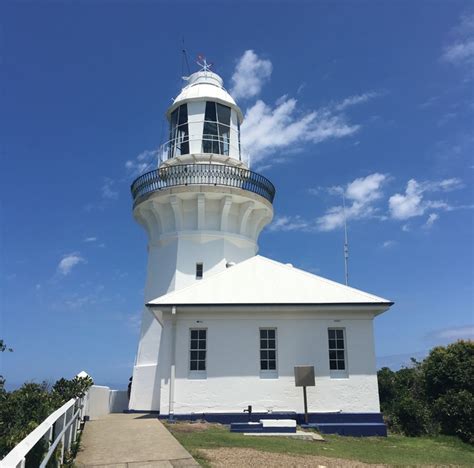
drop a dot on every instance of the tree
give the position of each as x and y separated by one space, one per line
433 396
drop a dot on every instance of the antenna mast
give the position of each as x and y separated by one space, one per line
185 60
346 244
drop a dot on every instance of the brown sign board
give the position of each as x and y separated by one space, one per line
304 376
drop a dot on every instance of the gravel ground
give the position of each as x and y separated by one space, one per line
251 458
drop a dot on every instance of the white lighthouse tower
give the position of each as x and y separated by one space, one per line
202 209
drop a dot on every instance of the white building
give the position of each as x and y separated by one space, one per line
223 327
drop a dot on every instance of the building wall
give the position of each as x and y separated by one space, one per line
233 380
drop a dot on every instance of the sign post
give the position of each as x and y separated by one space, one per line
304 377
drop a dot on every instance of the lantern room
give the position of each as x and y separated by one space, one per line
204 123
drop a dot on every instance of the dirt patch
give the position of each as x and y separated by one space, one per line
251 458
190 426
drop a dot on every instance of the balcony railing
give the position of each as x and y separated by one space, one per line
203 144
202 174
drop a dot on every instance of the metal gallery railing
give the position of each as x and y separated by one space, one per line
60 427
205 144
202 174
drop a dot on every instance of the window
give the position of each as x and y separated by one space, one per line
199 270
197 350
337 358
268 349
216 132
179 135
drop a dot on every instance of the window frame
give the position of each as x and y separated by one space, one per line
197 373
201 266
338 373
217 143
267 373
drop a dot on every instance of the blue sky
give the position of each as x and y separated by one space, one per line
373 99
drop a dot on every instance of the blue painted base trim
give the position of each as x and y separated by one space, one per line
350 424
258 428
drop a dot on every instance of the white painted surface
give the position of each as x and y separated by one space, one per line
278 422
118 401
261 280
232 380
98 402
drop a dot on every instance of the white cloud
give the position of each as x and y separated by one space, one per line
388 244
432 218
90 239
413 203
146 161
361 195
357 99
289 223
461 50
251 72
68 262
452 334
267 129
108 190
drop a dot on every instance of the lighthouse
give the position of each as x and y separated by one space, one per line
202 209
224 328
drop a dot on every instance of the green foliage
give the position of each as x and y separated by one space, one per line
24 409
75 388
434 396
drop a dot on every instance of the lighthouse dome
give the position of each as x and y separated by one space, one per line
204 85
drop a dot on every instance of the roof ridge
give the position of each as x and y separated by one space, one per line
326 280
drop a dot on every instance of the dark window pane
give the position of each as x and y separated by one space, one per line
263 344
263 333
271 354
202 355
185 147
263 365
210 130
263 354
340 344
194 344
332 344
174 118
271 344
339 334
202 344
193 365
341 365
272 365
202 334
332 355
332 365
271 334
194 355
210 111
199 270
201 365
340 354
331 334
183 114
223 114
194 334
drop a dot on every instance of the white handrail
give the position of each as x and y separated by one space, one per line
17 456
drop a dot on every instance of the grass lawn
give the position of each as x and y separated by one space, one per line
395 449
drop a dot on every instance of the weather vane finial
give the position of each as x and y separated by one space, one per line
202 62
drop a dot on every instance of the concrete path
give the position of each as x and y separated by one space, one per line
130 441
